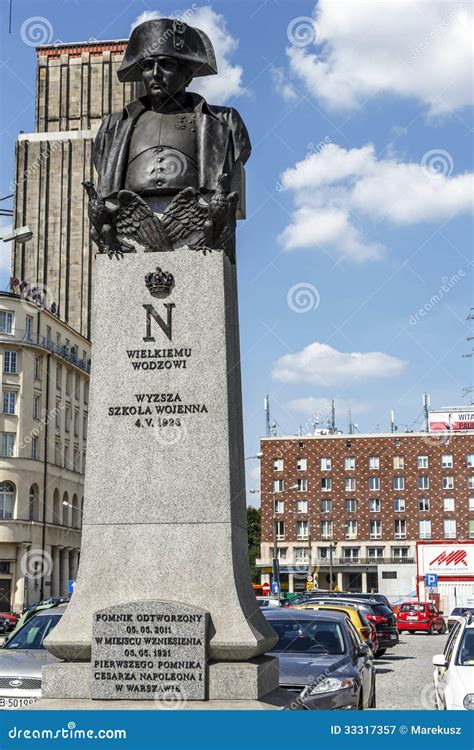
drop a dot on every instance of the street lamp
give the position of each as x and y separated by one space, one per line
332 546
275 561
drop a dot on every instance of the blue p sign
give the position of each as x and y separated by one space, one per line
431 581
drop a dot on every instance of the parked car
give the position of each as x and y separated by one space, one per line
356 616
307 595
267 601
23 657
454 668
420 616
9 619
380 615
457 613
323 660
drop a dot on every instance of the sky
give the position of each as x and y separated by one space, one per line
354 262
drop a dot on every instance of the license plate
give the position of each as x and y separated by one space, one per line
412 618
12 703
393 637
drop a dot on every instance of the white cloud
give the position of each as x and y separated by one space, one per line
5 247
227 84
321 407
282 85
320 364
418 48
336 189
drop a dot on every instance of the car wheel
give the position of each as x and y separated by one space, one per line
360 707
431 630
380 652
444 629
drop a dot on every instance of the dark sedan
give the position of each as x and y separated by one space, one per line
323 660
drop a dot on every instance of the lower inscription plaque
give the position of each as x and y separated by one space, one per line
149 650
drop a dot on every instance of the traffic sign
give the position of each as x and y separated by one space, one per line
309 578
431 580
70 586
265 588
275 587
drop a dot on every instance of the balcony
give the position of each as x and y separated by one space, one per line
324 561
68 353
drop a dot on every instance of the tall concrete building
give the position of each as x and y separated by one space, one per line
76 88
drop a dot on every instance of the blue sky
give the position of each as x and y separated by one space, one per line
358 192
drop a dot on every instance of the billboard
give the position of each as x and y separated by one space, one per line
450 420
446 559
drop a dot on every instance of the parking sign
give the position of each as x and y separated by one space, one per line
431 580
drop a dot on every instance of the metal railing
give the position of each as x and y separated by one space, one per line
67 353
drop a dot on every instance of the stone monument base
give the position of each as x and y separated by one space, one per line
250 685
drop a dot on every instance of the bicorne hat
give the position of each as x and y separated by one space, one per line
167 36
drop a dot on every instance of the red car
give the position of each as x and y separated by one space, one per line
424 616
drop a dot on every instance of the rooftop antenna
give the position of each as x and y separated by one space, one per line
314 424
426 406
393 426
351 426
332 418
266 404
273 429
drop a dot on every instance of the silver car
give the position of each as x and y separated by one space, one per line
22 659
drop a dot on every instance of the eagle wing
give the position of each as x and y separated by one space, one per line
137 220
184 215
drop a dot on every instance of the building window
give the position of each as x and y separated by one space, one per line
424 529
350 506
374 463
326 484
448 504
57 454
400 529
422 462
389 574
326 529
301 464
301 506
375 553
279 506
59 377
398 483
374 484
33 509
326 506
9 402
76 423
278 484
423 482
302 485
470 460
48 337
280 529
351 529
374 504
326 464
301 555
77 388
302 530
349 463
470 483
68 382
66 457
471 529
37 367
57 415
398 462
67 420
400 553
77 461
36 406
351 553
424 504
29 328
86 392
277 464
10 362
34 448
349 484
84 427
7 500
449 528
6 321
376 529
447 461
471 504
281 554
399 505
448 483
7 445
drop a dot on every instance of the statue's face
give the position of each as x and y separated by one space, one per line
165 77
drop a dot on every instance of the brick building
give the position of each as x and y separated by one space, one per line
369 498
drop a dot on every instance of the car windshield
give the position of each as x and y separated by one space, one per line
462 611
309 636
412 608
466 649
33 633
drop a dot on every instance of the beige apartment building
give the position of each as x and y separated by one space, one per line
43 430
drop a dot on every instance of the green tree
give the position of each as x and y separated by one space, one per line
253 530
